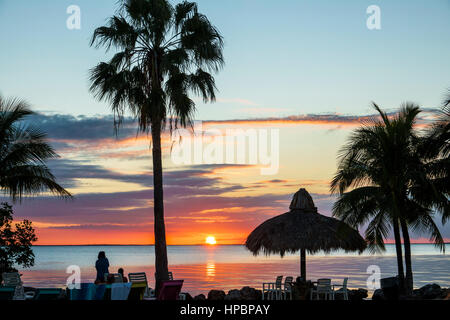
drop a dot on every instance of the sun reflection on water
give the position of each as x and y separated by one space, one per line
210 269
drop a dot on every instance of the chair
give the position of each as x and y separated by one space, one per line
11 279
182 296
323 287
170 275
100 292
137 279
87 291
343 290
287 289
7 293
170 290
120 291
48 294
139 291
116 276
272 288
19 292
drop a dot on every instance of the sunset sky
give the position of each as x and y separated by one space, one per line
309 69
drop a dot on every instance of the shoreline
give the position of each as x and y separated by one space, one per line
202 277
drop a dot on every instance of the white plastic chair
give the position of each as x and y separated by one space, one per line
287 289
273 289
343 290
324 288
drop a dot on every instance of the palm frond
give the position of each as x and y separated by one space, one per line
24 152
118 33
376 232
425 223
31 179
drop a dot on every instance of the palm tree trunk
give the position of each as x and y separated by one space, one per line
408 264
398 248
303 264
161 263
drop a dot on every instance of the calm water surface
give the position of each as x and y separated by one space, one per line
229 267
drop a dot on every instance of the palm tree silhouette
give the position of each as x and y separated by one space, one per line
383 180
24 151
164 54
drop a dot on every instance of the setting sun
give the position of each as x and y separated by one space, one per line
210 240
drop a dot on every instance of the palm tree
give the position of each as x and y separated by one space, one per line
24 151
164 54
435 148
382 180
447 101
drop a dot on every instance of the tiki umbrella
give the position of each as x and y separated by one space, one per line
303 229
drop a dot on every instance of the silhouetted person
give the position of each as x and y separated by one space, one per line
124 279
101 265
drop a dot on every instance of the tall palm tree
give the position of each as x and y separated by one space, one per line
382 180
24 151
164 54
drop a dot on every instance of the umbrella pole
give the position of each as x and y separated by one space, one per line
303 264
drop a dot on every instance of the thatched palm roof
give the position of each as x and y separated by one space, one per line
303 228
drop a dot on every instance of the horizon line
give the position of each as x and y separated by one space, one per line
169 245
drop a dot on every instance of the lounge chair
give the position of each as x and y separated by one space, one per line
323 288
343 290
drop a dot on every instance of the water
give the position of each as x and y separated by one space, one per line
229 267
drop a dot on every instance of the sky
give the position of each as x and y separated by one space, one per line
303 71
